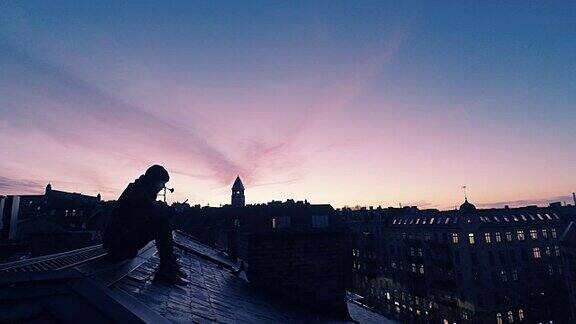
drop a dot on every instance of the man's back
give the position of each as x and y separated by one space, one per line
135 205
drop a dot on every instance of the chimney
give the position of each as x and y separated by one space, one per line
310 268
574 198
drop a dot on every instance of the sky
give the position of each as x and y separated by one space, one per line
342 102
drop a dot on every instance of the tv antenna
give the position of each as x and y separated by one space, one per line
165 190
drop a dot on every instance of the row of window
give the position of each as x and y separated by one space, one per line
498 236
510 317
512 275
483 219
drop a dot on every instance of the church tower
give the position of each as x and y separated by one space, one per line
238 199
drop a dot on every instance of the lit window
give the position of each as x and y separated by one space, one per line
319 221
504 276
487 237
520 314
421 269
533 234
455 238
499 318
520 234
544 233
550 270
498 238
281 222
515 218
510 317
553 231
431 220
508 236
515 275
557 250
548 252
414 267
536 252
471 238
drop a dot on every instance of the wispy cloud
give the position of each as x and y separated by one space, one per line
19 186
77 113
334 97
526 202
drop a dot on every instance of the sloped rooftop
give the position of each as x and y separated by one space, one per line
100 291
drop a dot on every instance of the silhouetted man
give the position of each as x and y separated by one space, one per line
138 219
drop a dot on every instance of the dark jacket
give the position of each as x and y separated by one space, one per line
133 210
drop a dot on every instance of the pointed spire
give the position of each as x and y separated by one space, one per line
238 185
238 199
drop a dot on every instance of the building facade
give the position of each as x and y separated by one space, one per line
462 266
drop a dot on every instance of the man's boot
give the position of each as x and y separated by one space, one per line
170 274
174 263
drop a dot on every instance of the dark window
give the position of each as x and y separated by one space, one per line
512 256
524 254
474 258
502 257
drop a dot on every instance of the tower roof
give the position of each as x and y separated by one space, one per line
467 207
238 185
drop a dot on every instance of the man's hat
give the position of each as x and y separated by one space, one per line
157 172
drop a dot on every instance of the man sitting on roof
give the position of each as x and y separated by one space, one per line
137 219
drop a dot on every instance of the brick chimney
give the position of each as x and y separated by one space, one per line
310 268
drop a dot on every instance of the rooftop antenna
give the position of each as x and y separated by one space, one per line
465 193
167 189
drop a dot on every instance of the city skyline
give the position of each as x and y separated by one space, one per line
302 100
